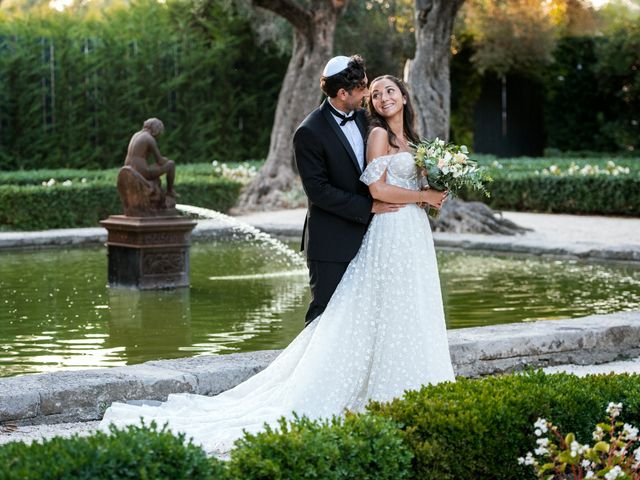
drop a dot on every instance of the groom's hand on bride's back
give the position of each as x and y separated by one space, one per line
384 207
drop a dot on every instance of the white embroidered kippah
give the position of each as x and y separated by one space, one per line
335 65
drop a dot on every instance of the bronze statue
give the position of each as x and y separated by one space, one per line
139 183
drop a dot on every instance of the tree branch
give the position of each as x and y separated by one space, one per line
295 14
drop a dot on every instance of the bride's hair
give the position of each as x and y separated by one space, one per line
408 115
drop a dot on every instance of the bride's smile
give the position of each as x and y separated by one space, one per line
386 98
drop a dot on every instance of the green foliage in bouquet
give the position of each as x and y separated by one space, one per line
445 166
137 452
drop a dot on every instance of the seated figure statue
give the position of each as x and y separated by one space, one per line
139 183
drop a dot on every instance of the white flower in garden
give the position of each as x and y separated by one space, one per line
585 463
51 182
629 432
598 433
440 142
541 425
67 183
588 170
636 454
614 409
554 170
543 442
575 447
541 451
573 169
528 460
84 180
614 473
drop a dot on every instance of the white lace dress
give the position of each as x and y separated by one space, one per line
382 333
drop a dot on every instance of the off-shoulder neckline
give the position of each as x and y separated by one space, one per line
391 155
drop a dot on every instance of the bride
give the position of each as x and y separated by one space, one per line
383 331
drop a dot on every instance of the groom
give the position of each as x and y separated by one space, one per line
329 149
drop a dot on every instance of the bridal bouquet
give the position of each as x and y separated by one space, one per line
445 166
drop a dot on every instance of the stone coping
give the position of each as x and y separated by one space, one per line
78 396
212 230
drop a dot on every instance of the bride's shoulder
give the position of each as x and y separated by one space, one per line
377 133
377 143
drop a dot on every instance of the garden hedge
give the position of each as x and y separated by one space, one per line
476 429
37 207
604 195
137 452
471 429
358 447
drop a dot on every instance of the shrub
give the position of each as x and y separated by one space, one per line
137 452
479 428
358 447
594 195
35 207
471 429
521 184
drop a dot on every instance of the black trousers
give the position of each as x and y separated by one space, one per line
324 277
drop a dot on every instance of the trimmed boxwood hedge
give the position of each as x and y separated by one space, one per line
605 195
476 429
358 447
137 452
36 207
471 429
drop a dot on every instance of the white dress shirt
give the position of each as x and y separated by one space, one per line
352 132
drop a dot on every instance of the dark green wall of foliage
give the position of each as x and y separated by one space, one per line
591 89
74 89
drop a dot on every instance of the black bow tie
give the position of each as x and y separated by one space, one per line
341 115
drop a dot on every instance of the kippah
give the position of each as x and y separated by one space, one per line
335 65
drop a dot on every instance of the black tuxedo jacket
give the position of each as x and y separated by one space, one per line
339 203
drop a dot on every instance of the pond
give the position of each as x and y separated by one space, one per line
56 312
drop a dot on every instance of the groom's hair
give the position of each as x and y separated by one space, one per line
351 77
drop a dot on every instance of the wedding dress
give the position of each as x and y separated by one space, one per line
382 333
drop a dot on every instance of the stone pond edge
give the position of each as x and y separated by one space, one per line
83 395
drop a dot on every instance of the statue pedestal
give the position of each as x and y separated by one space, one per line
148 252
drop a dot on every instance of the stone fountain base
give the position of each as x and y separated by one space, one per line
148 252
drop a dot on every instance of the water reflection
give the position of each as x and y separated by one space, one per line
149 324
56 312
480 290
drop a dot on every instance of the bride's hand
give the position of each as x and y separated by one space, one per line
384 207
435 198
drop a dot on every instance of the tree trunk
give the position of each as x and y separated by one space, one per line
457 216
428 73
314 29
428 78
